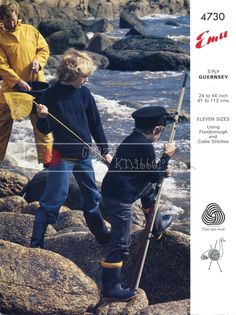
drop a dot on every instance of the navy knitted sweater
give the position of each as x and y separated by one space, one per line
75 108
132 168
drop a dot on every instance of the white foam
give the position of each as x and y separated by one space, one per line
159 17
113 108
171 191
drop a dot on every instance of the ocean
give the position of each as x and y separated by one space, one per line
117 95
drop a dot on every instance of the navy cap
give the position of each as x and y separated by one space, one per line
149 117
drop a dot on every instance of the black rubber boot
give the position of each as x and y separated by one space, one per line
98 227
111 278
39 231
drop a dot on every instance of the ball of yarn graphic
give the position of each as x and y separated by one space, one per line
213 215
214 254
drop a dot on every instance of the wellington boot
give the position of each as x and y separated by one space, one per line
111 282
39 231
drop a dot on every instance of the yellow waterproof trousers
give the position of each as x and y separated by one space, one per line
43 142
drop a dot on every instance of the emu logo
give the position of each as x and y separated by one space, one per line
213 215
202 41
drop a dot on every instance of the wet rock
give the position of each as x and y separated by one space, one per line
124 308
147 43
11 183
35 281
130 20
99 43
138 53
169 308
60 41
70 219
12 204
17 228
131 60
35 189
48 27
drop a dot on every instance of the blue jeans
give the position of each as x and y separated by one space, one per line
57 187
120 216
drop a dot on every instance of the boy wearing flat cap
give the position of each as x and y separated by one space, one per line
131 176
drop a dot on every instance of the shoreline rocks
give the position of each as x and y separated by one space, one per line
35 11
165 278
35 281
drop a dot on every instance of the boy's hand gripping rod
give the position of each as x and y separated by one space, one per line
78 137
147 232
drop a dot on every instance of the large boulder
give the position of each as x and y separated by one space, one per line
138 60
138 53
166 275
12 204
35 281
79 247
62 40
130 20
147 43
36 186
11 183
17 228
48 27
99 43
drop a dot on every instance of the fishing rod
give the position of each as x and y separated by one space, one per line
147 232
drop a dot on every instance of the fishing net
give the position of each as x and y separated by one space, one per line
20 104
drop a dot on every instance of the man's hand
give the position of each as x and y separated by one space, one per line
169 148
24 85
35 66
108 158
42 111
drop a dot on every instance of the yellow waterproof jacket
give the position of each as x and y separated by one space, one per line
18 49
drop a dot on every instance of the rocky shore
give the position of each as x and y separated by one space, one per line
86 25
64 278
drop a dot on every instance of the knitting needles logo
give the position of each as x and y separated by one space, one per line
214 254
213 215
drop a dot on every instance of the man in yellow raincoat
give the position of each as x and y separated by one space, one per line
23 54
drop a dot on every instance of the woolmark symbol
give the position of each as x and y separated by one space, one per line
213 215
